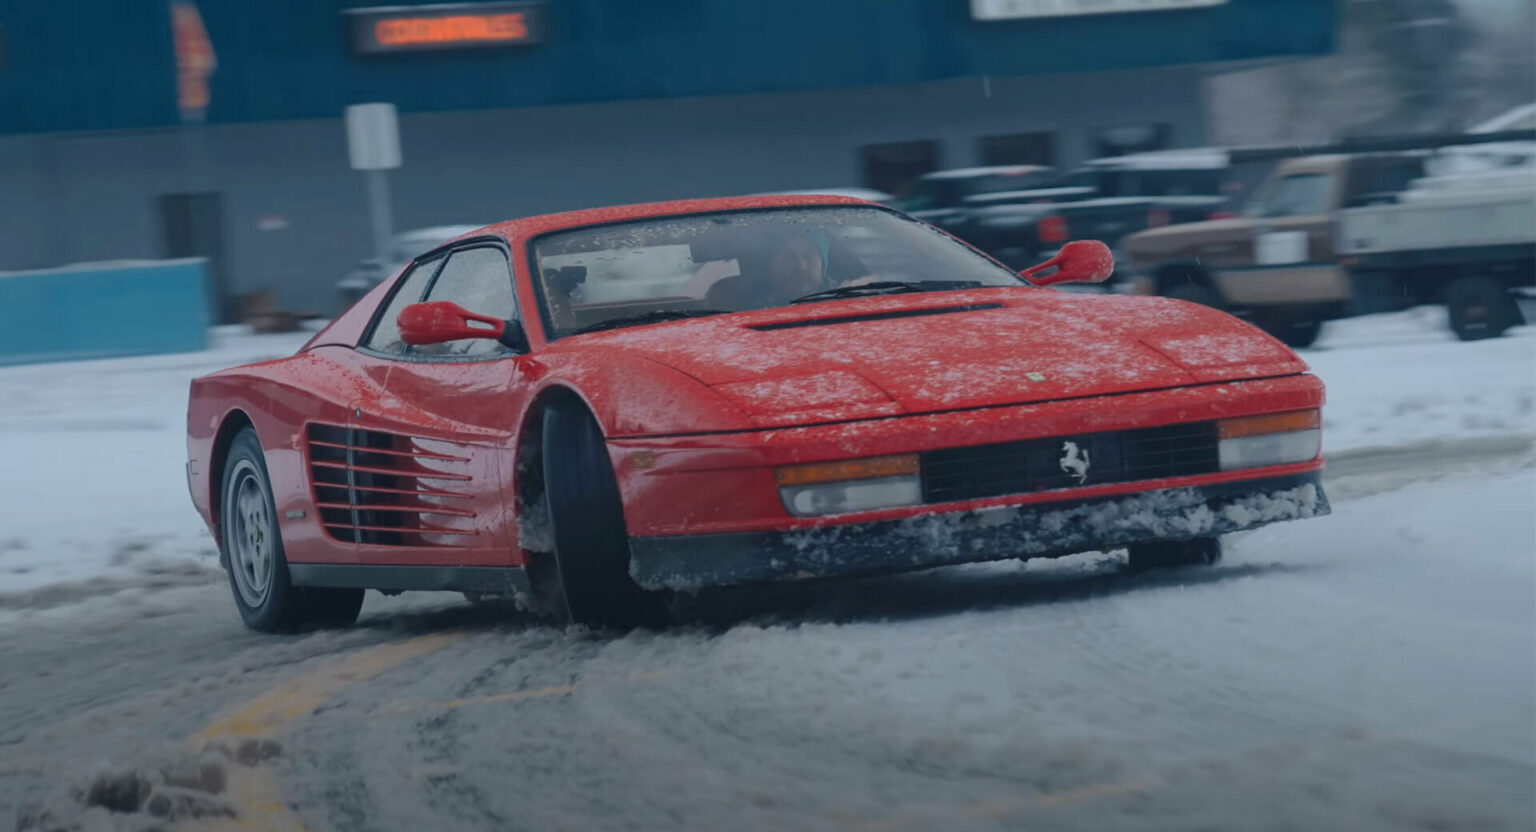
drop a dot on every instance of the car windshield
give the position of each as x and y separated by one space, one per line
643 272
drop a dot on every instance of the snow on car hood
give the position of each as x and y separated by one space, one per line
922 353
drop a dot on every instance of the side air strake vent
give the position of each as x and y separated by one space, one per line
385 489
877 316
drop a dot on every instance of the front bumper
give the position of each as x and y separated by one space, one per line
687 562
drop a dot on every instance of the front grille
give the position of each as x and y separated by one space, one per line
982 471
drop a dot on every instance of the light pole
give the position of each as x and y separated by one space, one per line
373 146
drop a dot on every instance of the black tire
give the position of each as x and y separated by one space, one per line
1194 293
591 560
1479 308
252 546
331 606
1200 551
1294 329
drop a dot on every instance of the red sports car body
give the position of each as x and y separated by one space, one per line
585 425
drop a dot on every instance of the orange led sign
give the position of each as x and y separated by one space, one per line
416 28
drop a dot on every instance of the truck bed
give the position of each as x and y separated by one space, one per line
1445 213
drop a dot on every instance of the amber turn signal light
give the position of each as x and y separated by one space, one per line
850 469
1268 423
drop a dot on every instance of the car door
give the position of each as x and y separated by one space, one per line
327 520
1292 255
439 427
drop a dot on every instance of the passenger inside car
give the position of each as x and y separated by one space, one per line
788 266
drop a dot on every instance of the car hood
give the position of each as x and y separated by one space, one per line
922 353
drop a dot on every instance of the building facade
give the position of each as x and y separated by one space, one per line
581 103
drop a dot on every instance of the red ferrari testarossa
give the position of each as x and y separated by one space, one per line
595 409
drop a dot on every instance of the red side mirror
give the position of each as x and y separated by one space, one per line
1080 261
440 321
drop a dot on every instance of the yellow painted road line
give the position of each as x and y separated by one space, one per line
254 792
300 696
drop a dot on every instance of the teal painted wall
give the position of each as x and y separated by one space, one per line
68 314
107 64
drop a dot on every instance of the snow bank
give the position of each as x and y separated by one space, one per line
1402 378
92 481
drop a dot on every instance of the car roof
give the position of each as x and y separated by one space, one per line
1520 117
857 193
544 223
436 232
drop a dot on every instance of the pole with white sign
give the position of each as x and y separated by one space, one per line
373 146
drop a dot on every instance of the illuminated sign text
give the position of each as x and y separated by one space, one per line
402 29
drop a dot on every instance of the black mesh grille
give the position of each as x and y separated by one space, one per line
983 471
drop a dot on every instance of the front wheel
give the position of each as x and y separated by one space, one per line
591 557
253 552
1164 554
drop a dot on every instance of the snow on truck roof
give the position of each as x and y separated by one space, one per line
1196 158
994 170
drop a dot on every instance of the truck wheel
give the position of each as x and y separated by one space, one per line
1480 308
1163 554
591 541
1292 329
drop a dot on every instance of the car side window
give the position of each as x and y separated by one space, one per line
479 280
386 333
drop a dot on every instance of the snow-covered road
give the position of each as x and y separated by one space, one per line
1375 669
1369 671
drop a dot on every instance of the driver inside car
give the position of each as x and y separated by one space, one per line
789 267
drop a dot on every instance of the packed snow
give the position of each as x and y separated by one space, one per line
93 483
1365 671
1402 378
96 496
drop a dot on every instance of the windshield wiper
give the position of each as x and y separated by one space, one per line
888 287
654 316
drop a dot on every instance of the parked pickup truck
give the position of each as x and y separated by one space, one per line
1019 214
1334 235
1467 239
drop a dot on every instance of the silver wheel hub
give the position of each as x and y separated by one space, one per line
249 534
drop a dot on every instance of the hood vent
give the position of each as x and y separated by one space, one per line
877 316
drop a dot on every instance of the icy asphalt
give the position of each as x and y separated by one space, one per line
1371 670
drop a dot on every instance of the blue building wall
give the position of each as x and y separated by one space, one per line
103 312
107 64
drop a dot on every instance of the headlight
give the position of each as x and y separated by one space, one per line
850 485
1271 439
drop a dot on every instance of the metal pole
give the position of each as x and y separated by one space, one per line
379 213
